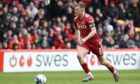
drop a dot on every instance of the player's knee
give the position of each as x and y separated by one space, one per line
79 55
102 62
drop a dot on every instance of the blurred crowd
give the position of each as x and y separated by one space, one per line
48 24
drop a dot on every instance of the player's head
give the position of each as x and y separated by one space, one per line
79 8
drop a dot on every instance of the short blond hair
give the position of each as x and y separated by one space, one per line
81 5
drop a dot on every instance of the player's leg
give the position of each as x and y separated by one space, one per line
106 63
97 49
82 52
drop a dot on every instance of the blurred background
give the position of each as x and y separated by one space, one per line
48 24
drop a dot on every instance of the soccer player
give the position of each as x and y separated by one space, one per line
88 40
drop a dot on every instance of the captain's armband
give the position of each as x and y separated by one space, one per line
92 25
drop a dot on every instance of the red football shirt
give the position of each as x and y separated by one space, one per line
83 24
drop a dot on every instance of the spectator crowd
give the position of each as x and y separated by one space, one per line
48 24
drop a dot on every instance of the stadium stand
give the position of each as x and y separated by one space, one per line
48 24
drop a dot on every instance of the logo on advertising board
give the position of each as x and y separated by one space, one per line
13 61
57 60
92 60
44 61
126 59
22 61
40 60
29 61
60 61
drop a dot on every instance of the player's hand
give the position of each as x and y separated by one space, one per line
83 40
80 43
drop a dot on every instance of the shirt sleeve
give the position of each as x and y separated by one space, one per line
90 22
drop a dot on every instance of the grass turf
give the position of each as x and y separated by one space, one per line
71 77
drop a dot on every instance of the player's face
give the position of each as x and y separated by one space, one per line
78 11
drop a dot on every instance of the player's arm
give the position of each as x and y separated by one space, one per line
77 34
78 37
91 34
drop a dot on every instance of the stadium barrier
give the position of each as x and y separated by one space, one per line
64 60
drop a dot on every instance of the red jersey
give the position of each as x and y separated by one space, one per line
83 24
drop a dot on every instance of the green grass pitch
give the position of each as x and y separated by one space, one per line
71 77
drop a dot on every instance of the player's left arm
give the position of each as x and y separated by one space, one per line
92 33
91 25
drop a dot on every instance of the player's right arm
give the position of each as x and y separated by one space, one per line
77 34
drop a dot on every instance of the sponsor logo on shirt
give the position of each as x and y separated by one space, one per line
81 26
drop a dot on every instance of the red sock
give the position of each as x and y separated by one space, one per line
85 67
111 68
